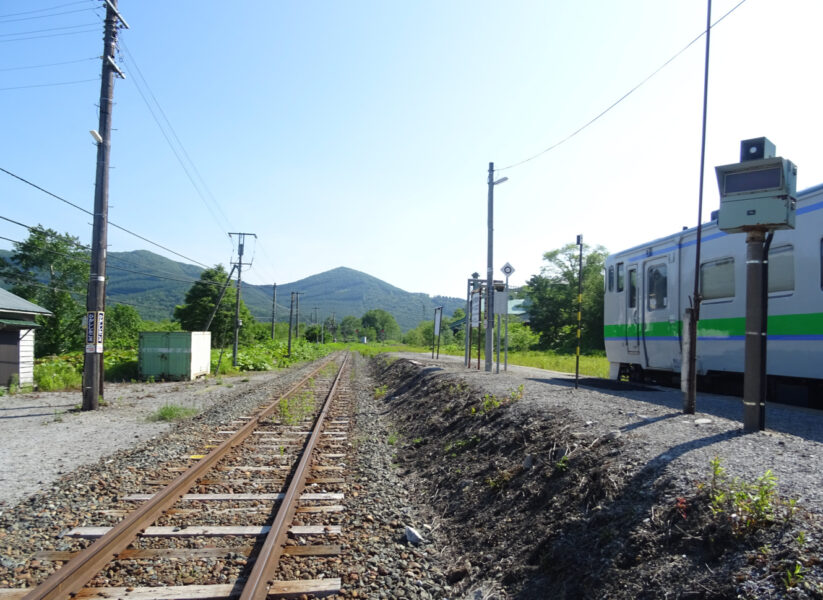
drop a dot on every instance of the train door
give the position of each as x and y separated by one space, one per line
657 334
632 316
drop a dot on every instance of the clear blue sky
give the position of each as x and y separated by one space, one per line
359 133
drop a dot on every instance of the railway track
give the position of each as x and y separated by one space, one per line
256 501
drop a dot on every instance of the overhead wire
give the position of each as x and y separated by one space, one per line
112 224
623 97
42 85
188 164
5 18
51 35
57 64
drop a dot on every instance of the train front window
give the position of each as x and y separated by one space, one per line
657 294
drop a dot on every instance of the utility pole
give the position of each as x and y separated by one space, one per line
297 313
692 315
96 294
489 274
291 319
241 242
273 308
579 309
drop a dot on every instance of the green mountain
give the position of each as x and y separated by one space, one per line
154 285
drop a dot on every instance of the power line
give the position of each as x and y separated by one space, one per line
623 97
42 85
51 35
15 33
57 64
137 235
39 10
141 81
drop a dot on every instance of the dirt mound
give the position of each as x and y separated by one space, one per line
532 503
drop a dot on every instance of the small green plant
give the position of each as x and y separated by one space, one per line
490 402
794 575
562 465
747 505
58 416
392 439
150 379
517 394
801 539
452 449
380 392
501 479
417 441
172 412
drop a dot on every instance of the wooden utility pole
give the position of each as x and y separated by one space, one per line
96 294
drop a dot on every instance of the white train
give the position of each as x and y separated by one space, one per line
648 289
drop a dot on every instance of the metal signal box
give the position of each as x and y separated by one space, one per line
757 194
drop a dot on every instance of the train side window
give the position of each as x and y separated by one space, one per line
619 277
781 269
632 288
611 278
717 279
657 294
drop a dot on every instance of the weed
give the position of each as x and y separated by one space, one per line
392 439
794 575
801 539
562 465
380 392
747 505
501 479
172 412
58 416
294 409
517 394
452 449
490 402
150 379
417 441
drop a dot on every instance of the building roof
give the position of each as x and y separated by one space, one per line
10 303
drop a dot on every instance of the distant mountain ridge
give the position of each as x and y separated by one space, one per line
154 285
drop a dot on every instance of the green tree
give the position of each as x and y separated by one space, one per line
200 301
349 328
51 270
123 326
553 299
383 324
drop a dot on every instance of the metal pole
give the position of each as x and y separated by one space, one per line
96 295
489 279
690 399
273 308
754 405
467 331
434 322
579 308
291 319
237 301
506 352
498 345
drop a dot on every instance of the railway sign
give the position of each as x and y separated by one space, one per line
507 270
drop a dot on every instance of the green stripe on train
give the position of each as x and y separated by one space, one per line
803 324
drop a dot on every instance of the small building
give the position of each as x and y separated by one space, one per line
174 355
17 327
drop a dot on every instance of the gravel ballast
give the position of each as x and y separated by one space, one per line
412 465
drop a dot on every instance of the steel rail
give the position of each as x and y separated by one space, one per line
260 579
74 575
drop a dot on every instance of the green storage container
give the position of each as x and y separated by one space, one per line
174 355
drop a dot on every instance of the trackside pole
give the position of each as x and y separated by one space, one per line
754 377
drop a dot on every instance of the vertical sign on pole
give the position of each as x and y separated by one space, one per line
507 271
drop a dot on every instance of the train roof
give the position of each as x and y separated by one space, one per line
801 196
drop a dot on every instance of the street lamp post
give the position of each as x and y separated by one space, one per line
489 274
